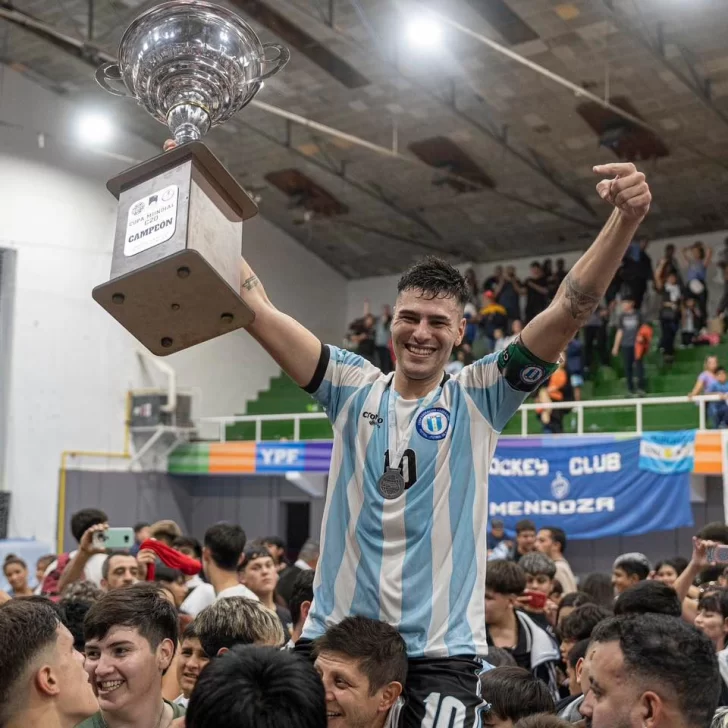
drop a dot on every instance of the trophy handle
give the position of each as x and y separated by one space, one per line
278 61
111 72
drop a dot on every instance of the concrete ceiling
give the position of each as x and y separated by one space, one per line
667 59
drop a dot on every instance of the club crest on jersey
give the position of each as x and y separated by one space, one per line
532 374
433 423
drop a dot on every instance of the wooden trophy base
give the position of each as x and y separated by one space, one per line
174 303
175 271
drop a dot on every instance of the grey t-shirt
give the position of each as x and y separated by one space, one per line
630 324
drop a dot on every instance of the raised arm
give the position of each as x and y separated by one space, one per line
295 349
582 289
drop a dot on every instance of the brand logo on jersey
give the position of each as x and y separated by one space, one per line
532 374
433 423
373 419
560 486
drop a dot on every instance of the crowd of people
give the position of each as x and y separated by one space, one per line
671 298
127 640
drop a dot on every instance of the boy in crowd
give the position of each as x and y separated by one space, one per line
42 680
300 605
221 555
131 637
513 693
579 625
84 563
237 621
363 665
192 660
540 572
257 687
531 645
258 572
628 569
648 597
551 541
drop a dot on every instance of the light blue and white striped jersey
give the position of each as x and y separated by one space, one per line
418 561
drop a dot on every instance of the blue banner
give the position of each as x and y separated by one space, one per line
668 452
592 488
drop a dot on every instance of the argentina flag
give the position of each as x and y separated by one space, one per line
668 452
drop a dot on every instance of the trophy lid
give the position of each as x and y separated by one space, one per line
214 170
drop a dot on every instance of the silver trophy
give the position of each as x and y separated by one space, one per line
175 273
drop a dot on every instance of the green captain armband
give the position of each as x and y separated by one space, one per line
523 370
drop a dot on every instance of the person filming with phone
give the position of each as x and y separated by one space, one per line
514 630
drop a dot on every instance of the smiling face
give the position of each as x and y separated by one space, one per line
349 702
667 574
192 659
621 580
17 576
124 670
424 332
713 626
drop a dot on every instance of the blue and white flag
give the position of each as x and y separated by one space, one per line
668 452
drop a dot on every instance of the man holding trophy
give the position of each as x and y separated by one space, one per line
403 537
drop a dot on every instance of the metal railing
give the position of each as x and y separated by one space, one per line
638 404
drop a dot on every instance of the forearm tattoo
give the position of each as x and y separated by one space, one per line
581 303
250 283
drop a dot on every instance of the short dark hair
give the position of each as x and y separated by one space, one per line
633 564
276 541
74 613
576 599
436 279
514 692
525 525
27 627
226 542
141 606
189 633
715 531
257 687
577 652
189 542
82 520
505 577
377 646
302 592
166 574
666 650
237 621
252 554
649 597
498 657
106 566
138 526
581 622
558 535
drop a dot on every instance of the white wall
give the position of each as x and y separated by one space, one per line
383 289
71 362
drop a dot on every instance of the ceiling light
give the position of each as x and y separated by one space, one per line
424 33
95 128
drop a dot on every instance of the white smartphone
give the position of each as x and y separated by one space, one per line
114 538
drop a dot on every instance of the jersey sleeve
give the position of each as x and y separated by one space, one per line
500 382
339 374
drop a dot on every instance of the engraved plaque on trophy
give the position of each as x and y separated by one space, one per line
175 271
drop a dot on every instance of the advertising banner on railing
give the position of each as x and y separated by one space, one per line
590 487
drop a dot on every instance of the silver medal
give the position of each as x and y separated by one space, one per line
391 484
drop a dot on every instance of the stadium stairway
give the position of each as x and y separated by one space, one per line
285 397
